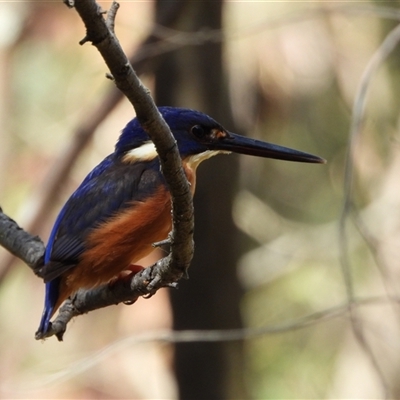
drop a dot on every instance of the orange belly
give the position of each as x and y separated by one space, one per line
122 240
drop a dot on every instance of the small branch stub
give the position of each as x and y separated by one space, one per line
111 15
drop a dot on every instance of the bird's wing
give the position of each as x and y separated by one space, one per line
110 187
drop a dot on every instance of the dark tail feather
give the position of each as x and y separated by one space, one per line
51 298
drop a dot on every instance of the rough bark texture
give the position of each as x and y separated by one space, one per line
171 268
28 248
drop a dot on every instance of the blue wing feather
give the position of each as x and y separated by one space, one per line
97 171
110 187
101 195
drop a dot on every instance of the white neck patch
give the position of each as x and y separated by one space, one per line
194 160
146 152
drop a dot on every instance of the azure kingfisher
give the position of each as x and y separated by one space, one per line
123 206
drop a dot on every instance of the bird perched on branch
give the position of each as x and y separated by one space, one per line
123 206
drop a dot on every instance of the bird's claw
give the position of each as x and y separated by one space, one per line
151 287
126 275
130 302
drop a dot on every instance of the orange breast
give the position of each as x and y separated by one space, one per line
190 175
123 240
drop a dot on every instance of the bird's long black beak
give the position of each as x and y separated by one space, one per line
239 144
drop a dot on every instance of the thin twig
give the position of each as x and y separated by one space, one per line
387 46
197 336
372 243
171 39
111 15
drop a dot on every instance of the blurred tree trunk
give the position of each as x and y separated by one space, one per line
193 77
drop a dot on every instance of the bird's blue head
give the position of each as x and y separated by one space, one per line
199 137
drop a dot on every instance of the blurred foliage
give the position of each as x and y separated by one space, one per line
293 82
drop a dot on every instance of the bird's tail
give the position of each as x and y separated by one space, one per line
50 301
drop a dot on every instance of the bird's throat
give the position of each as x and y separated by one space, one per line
194 160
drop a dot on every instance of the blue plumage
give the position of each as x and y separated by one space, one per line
120 202
109 188
179 120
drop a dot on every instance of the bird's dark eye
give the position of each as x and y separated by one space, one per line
198 131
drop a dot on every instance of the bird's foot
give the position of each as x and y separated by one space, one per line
126 274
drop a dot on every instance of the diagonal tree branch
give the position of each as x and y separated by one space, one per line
141 60
171 268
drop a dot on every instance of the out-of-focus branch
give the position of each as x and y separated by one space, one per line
196 336
380 55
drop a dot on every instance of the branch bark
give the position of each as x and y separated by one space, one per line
13 238
143 59
98 32
167 271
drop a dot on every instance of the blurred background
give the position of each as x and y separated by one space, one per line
267 233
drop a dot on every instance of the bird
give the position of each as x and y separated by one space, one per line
123 205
